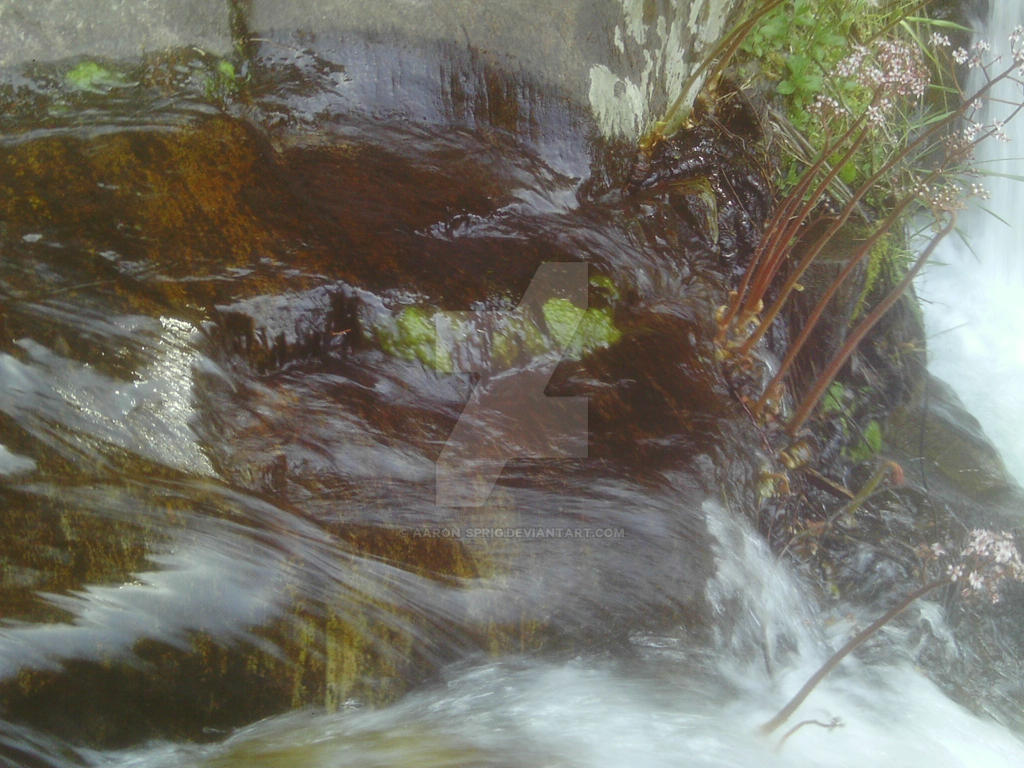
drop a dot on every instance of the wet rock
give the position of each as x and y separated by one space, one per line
297 552
44 30
934 429
627 84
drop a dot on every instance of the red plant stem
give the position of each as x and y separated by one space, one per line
785 212
774 230
852 644
848 209
826 377
819 309
761 286
781 236
783 221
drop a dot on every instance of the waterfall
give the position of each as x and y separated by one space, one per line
972 292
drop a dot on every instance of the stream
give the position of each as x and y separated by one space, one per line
261 329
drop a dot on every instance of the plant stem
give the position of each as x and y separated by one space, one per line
850 206
761 286
811 320
783 226
828 375
851 645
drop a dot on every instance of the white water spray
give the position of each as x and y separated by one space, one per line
972 293
669 705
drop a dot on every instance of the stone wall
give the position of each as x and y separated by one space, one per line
46 30
626 59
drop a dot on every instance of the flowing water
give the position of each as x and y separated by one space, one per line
221 411
972 294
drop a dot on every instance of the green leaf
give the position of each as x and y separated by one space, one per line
797 64
870 443
833 400
938 23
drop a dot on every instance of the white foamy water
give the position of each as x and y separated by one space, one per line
665 705
972 294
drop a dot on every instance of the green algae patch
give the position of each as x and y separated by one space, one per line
579 331
223 82
597 330
604 286
413 336
226 69
451 341
515 339
562 318
93 77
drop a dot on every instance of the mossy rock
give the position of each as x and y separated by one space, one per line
503 338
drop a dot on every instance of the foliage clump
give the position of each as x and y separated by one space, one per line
879 127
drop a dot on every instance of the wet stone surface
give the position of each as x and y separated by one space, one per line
226 411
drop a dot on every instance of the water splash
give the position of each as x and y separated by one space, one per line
972 293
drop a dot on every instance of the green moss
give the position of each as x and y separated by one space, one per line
887 263
597 330
223 82
562 319
605 287
516 338
870 443
92 77
836 404
413 336
226 69
572 331
579 331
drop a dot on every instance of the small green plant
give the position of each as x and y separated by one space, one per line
862 444
223 82
869 445
797 44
